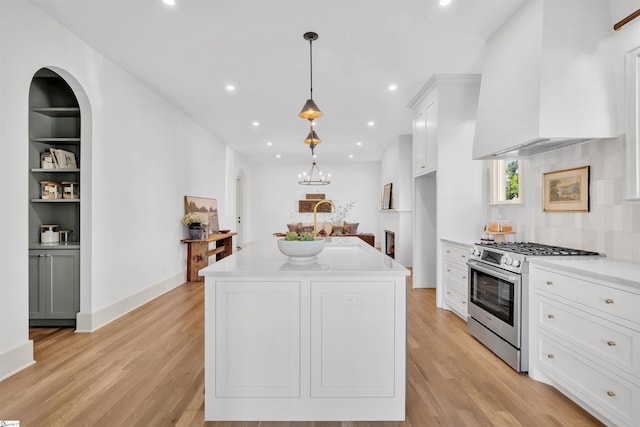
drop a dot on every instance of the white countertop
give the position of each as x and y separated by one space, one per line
613 270
344 256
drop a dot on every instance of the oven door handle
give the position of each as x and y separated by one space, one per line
493 271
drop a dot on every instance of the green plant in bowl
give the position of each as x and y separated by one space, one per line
292 235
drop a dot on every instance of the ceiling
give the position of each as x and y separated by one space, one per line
190 52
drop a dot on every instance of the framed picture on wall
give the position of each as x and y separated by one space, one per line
387 196
309 205
203 204
566 190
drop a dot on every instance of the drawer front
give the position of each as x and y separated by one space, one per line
456 300
455 253
456 273
606 343
605 392
605 299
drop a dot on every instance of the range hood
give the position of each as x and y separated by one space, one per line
548 80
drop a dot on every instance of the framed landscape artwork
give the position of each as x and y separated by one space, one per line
203 204
566 190
309 205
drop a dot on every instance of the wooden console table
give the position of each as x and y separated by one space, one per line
198 253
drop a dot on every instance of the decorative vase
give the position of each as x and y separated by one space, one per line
195 231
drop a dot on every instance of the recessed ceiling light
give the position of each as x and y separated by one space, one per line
371 123
393 88
230 88
444 2
269 143
359 143
351 156
256 123
169 2
277 156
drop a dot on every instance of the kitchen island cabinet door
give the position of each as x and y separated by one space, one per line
257 339
352 339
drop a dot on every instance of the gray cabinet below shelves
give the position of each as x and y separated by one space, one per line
54 287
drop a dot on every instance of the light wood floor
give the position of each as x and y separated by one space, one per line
146 369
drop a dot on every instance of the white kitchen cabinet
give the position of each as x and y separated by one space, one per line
257 339
425 137
585 340
449 202
454 277
352 339
632 92
302 342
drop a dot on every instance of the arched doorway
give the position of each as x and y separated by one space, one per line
241 217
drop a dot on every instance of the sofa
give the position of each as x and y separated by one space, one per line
347 229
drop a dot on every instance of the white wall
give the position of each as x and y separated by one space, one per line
274 197
611 227
145 156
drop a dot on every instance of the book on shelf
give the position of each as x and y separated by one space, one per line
63 159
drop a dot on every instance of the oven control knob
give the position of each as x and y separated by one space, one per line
515 263
506 260
476 252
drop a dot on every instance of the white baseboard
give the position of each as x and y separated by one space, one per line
90 322
16 359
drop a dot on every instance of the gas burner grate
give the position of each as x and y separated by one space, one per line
537 249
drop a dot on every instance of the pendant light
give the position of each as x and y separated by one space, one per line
310 110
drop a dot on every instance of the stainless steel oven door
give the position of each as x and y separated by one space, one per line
495 297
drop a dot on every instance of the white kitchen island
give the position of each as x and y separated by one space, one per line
318 342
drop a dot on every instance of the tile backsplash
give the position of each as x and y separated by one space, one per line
612 226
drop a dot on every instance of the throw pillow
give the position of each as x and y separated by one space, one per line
305 229
293 227
328 228
351 227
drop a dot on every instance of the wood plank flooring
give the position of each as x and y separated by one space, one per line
146 369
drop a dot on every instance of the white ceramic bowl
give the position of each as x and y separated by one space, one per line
301 252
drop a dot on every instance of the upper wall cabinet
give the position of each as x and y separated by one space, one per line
633 122
425 129
547 80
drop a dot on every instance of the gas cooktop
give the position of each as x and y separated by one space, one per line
536 249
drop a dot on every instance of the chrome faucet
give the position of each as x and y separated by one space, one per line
315 212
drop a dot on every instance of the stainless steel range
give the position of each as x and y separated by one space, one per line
498 291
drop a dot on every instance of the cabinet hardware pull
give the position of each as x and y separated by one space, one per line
464 277
550 356
448 270
464 302
608 301
551 316
448 251
463 256
41 255
611 343
611 393
549 282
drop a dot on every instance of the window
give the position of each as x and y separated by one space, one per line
505 181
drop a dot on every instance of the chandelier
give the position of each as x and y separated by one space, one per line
310 111
314 176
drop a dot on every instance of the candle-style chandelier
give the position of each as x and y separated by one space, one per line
310 111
